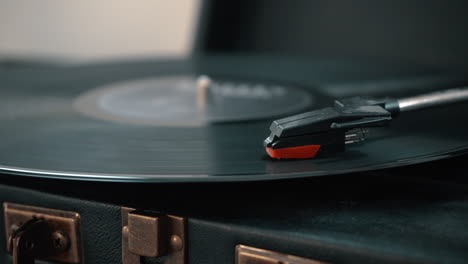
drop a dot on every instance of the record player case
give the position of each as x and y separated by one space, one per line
412 214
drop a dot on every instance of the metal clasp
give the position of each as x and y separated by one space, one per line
151 234
251 255
41 233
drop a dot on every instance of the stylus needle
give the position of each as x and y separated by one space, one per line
326 131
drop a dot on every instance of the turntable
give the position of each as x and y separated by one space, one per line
162 161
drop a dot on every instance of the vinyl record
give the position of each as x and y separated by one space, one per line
156 122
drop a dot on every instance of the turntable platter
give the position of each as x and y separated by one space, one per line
54 126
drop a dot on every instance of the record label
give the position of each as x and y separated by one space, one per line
190 101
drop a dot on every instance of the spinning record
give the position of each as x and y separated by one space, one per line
166 122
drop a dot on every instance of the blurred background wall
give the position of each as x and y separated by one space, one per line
89 30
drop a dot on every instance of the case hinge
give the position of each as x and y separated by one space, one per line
148 234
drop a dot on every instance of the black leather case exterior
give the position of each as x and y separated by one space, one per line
355 220
396 216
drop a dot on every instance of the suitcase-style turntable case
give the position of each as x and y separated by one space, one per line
405 214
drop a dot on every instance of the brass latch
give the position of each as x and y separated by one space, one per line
35 233
251 255
147 234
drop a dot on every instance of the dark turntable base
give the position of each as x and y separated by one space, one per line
415 214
